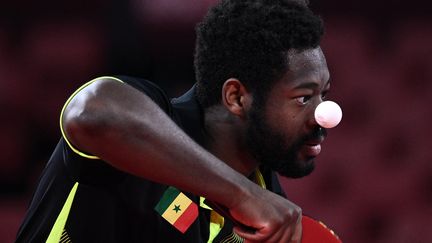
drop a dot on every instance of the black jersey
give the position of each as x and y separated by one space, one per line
80 198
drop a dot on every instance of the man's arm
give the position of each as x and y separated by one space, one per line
125 128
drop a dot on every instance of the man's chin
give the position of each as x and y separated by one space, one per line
298 169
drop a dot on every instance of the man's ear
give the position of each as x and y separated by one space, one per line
235 97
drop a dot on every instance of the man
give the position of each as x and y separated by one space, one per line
127 150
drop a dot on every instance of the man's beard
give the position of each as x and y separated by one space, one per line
270 149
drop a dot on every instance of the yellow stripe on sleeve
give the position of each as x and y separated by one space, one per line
67 103
57 229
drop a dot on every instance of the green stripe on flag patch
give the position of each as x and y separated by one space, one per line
167 198
176 208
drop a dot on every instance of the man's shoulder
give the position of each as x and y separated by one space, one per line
189 115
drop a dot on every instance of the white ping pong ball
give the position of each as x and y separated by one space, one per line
328 114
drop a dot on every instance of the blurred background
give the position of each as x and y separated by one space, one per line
373 182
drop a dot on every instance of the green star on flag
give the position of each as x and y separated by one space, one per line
176 208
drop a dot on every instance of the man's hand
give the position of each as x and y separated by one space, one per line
274 218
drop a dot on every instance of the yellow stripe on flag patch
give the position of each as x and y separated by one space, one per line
176 208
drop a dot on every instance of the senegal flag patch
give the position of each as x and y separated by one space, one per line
177 209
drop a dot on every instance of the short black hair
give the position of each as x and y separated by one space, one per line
249 40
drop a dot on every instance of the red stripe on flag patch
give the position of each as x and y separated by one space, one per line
187 218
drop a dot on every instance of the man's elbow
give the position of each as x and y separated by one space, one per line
85 120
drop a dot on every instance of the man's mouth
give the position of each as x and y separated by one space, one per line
312 148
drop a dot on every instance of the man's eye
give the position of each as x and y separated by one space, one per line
303 99
324 95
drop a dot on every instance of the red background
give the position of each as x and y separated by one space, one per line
373 182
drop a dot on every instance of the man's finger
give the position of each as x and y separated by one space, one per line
298 231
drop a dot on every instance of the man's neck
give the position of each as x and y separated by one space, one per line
225 139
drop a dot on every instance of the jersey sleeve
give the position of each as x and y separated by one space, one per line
89 169
151 90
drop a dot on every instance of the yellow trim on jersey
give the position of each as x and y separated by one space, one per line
203 205
65 237
233 238
64 107
217 221
259 179
216 224
57 229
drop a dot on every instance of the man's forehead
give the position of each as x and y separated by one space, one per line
307 63
305 58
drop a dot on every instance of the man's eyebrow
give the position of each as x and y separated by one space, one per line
310 85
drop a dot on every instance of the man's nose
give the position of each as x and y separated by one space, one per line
312 122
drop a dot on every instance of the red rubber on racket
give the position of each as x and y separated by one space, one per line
315 231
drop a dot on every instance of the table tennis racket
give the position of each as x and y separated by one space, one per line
313 231
316 232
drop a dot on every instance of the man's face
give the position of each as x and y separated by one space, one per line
282 132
